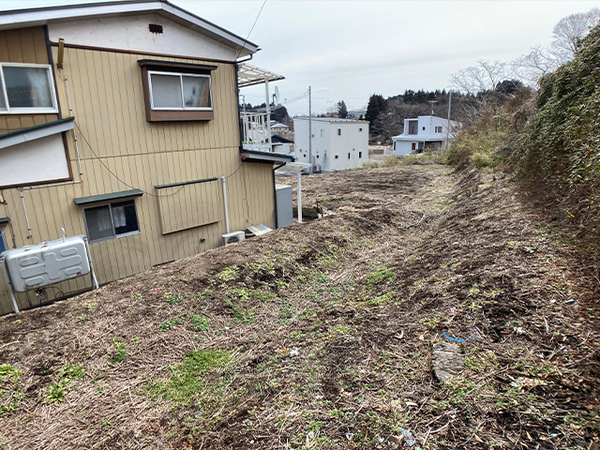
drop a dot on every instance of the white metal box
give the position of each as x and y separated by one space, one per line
47 263
235 236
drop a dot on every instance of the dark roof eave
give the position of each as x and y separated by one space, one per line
82 201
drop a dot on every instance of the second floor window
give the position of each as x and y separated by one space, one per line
26 89
178 91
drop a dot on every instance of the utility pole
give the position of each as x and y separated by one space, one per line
448 125
310 130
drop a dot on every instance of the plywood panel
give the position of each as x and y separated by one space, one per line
185 207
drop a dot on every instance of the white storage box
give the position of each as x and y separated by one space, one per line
47 263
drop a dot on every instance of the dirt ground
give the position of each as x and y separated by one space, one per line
319 335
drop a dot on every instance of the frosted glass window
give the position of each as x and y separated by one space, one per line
180 91
26 88
166 91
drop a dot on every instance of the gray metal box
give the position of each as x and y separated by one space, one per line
285 214
39 265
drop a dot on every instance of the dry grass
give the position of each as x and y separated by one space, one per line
319 335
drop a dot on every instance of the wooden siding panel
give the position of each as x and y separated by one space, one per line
185 207
108 104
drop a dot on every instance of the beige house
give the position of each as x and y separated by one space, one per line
118 122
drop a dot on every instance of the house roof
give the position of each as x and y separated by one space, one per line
452 122
30 17
36 132
280 140
332 120
265 157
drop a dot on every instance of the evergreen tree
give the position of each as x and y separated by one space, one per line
374 109
342 111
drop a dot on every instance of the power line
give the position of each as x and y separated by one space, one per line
129 185
251 29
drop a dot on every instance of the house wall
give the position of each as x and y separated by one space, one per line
326 144
119 150
351 146
25 45
131 32
402 148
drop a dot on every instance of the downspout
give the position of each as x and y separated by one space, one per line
237 90
25 212
225 205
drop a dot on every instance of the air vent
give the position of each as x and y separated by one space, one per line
155 28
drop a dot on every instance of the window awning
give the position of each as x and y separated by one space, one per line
82 201
37 132
265 157
249 75
4 220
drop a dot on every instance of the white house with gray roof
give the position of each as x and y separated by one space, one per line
337 144
424 132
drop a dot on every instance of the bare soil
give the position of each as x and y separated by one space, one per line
319 335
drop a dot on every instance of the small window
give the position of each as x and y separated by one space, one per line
438 129
360 130
111 220
177 91
339 131
423 128
360 154
336 156
27 89
317 156
348 155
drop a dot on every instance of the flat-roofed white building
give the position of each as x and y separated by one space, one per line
337 144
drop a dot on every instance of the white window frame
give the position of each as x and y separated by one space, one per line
112 220
3 241
4 93
181 75
441 129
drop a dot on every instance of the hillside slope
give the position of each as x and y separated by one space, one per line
320 335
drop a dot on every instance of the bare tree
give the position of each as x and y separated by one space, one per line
569 32
482 77
531 67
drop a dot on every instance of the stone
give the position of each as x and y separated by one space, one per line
446 361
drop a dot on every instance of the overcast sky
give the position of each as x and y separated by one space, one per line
350 49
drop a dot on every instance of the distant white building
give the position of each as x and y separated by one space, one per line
424 132
337 144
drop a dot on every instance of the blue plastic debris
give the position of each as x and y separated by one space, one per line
462 341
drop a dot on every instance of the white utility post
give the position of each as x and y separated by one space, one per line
310 161
299 195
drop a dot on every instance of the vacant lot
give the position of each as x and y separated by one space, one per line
320 335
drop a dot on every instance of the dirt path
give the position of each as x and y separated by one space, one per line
320 335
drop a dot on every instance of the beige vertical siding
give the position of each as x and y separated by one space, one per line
25 45
120 150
